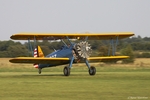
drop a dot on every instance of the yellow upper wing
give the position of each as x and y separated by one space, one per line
80 36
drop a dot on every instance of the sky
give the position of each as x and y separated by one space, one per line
71 16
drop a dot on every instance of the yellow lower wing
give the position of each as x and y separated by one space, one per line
58 61
40 60
107 58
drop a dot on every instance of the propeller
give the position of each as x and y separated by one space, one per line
83 49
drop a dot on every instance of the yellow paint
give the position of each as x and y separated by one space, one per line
37 60
40 52
108 57
51 36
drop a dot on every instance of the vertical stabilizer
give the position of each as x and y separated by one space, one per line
38 53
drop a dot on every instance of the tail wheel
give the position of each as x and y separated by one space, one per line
40 70
66 71
92 70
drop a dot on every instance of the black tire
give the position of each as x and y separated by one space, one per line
40 70
66 71
92 70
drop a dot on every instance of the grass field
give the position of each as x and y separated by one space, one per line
111 82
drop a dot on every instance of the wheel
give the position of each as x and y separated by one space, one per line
40 70
66 71
92 70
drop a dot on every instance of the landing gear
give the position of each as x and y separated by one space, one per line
92 70
40 70
66 71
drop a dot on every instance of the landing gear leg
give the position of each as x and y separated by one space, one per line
67 68
40 70
92 70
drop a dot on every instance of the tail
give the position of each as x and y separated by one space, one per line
38 53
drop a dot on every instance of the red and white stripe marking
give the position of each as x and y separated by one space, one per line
35 55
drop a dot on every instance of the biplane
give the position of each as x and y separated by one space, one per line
68 54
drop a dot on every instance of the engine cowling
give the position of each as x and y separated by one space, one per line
82 50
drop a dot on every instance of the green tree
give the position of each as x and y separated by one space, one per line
16 51
46 50
128 51
12 49
103 50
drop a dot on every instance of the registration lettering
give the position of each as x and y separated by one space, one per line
53 56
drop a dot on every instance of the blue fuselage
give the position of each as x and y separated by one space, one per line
64 52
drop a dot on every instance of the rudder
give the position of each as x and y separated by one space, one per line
38 53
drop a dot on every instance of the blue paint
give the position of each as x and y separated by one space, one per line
63 52
87 63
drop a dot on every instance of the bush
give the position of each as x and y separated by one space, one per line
128 52
143 55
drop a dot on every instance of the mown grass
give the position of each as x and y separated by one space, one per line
111 82
54 86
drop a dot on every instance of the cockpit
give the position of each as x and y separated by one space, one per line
64 47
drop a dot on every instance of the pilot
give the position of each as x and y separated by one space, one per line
62 47
68 45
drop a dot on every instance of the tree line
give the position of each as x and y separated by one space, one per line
138 47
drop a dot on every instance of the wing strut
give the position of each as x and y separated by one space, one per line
64 42
113 46
34 41
69 40
116 44
52 47
30 47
